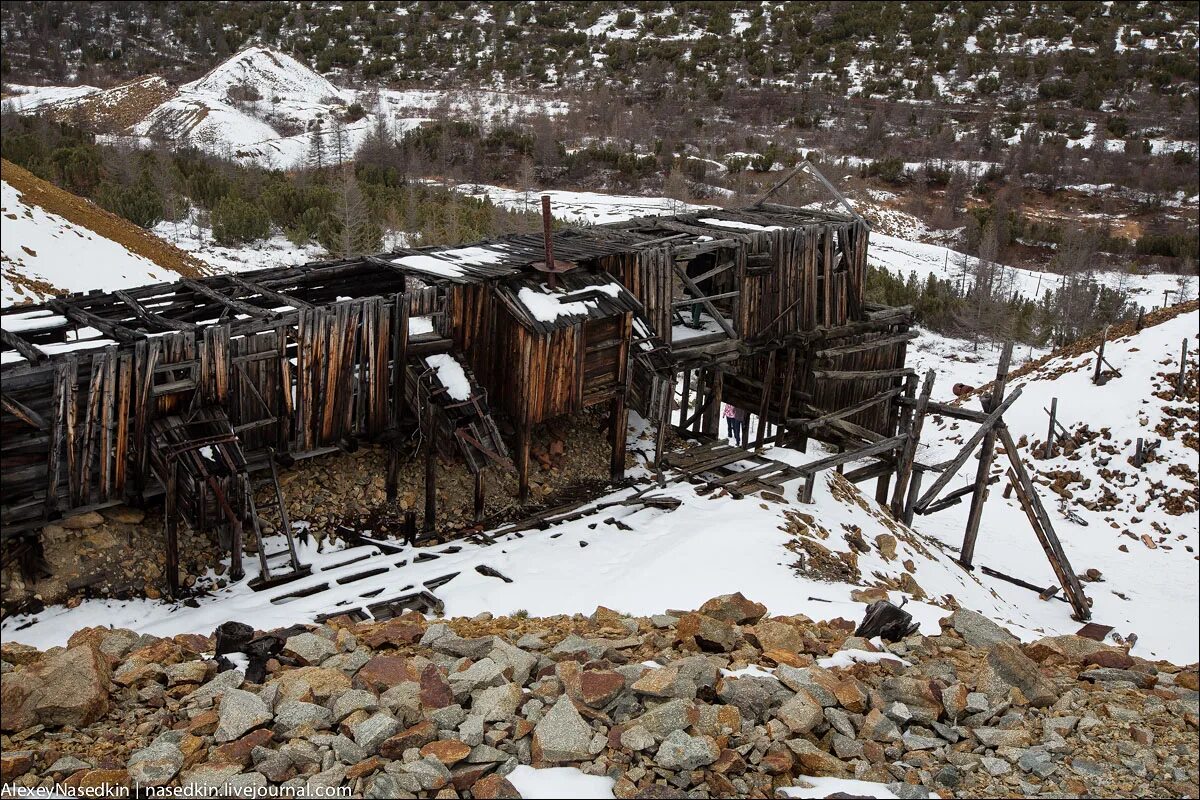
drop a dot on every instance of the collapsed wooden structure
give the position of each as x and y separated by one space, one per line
193 388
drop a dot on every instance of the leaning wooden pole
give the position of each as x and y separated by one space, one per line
1039 520
986 451
908 453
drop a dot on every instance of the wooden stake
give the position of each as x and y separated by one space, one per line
1179 382
908 453
171 518
431 473
1100 357
1049 449
479 497
986 451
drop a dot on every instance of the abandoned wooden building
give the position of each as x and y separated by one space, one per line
198 389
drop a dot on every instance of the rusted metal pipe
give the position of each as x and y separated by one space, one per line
550 266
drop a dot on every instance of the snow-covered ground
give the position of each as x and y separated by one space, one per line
1152 592
40 246
918 258
192 236
592 208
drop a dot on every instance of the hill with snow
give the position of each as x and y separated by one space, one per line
54 243
1138 526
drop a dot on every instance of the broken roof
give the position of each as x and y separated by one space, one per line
245 300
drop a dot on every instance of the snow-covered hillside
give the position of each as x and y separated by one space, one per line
54 242
921 259
1142 524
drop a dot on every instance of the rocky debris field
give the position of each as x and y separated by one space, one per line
722 701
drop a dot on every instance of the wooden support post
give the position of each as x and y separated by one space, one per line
1100 357
1048 452
881 488
393 471
430 520
235 549
908 453
524 434
986 451
616 436
1044 529
1179 382
764 403
993 419
913 490
1138 454
171 518
712 415
479 496
685 397
664 424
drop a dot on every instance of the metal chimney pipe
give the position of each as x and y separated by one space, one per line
550 267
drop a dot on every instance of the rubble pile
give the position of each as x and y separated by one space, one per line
721 701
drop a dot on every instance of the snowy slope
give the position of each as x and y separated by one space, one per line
593 208
50 244
665 561
908 257
1150 588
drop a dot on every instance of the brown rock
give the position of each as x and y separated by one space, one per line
364 768
394 633
734 608
1188 680
771 634
777 657
597 688
95 778
19 654
204 723
418 735
17 692
494 787
238 751
886 543
435 689
869 595
778 763
69 687
464 776
851 694
700 631
447 751
1008 667
318 683
14 764
84 521
729 762
383 672
1117 659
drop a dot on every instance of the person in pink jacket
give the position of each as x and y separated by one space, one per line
735 423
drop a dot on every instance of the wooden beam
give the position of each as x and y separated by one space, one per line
956 463
277 296
862 347
159 321
986 451
854 375
228 302
908 456
28 351
23 412
105 326
695 290
812 468
1042 527
848 411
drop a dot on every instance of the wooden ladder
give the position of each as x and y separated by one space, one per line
292 568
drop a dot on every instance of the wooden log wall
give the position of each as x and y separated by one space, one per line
76 429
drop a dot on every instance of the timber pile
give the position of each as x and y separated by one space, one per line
414 706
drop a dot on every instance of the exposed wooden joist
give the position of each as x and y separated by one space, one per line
85 317
27 350
159 321
228 302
